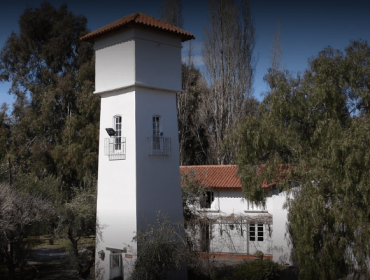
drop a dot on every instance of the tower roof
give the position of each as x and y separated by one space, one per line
138 19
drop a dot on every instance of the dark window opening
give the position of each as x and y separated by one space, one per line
205 236
207 200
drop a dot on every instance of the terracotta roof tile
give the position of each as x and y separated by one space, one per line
141 20
223 176
215 176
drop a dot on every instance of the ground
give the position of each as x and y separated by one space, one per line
51 264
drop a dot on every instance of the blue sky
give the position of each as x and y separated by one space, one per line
307 26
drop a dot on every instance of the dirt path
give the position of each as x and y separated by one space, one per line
51 265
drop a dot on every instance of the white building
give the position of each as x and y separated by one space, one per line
236 227
138 72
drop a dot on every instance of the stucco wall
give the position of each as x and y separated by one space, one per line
231 201
138 57
116 204
158 177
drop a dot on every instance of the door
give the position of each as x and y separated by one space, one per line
116 269
257 238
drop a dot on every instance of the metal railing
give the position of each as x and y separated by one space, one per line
159 146
115 148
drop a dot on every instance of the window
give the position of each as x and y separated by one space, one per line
115 259
207 200
115 145
118 128
156 133
158 145
256 232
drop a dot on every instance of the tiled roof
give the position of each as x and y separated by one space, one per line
141 20
215 176
220 176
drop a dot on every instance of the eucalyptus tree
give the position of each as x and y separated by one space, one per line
55 114
312 131
229 40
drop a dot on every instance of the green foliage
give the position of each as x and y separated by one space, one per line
55 116
77 219
313 130
258 270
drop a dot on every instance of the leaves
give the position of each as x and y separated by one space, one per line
316 123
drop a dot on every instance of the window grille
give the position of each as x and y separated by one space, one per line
256 232
159 146
115 147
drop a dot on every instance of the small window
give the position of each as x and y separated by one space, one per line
207 200
115 145
256 232
118 128
156 133
158 145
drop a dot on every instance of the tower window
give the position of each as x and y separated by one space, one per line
158 145
156 133
118 128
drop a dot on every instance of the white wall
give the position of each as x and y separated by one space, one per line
137 74
231 201
138 57
282 249
157 60
116 204
158 177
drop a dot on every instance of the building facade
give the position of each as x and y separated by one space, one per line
235 228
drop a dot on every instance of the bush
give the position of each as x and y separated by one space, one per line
258 270
162 249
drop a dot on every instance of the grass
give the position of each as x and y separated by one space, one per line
48 242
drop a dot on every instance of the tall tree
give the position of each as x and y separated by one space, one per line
171 12
229 41
52 75
277 50
313 130
192 140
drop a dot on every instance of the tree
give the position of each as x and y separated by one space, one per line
20 216
312 130
77 219
276 50
229 41
55 114
170 12
192 141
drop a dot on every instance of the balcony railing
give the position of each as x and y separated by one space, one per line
115 148
159 146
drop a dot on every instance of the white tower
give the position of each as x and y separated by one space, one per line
138 72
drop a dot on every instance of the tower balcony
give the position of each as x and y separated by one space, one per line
159 146
115 148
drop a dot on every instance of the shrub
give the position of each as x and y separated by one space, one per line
258 270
